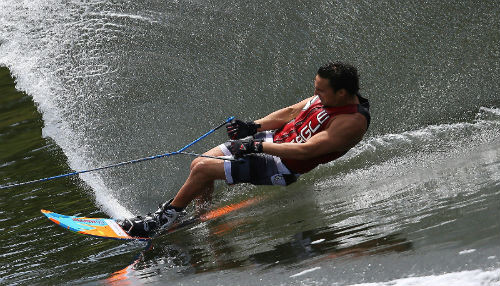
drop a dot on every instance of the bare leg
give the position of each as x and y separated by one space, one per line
204 171
207 194
203 199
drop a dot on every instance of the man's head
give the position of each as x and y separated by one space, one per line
336 82
341 76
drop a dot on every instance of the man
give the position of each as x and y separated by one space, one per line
276 149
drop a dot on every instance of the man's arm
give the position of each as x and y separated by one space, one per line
344 132
281 117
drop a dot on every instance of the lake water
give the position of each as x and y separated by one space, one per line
85 84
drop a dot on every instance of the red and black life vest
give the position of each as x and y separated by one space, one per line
313 119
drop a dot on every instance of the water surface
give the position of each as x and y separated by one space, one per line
90 83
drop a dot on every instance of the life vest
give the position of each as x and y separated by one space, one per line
313 119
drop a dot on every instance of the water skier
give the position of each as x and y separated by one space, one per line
276 149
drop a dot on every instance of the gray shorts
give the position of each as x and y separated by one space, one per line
257 169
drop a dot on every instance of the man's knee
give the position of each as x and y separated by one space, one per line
207 168
213 152
195 162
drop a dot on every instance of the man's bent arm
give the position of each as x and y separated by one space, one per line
281 117
340 136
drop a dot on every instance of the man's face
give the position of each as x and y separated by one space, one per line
324 91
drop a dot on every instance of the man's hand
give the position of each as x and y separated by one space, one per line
238 129
243 147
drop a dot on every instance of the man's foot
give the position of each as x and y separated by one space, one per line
139 226
147 226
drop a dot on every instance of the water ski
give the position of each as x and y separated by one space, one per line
97 227
110 229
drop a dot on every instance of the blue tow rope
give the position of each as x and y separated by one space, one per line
180 151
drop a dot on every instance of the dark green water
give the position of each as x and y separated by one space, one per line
106 81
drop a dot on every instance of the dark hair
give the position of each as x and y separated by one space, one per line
341 76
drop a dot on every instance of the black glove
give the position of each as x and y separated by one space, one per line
238 129
243 147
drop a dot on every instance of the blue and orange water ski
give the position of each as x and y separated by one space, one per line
97 227
110 229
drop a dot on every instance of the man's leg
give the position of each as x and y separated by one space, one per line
204 171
